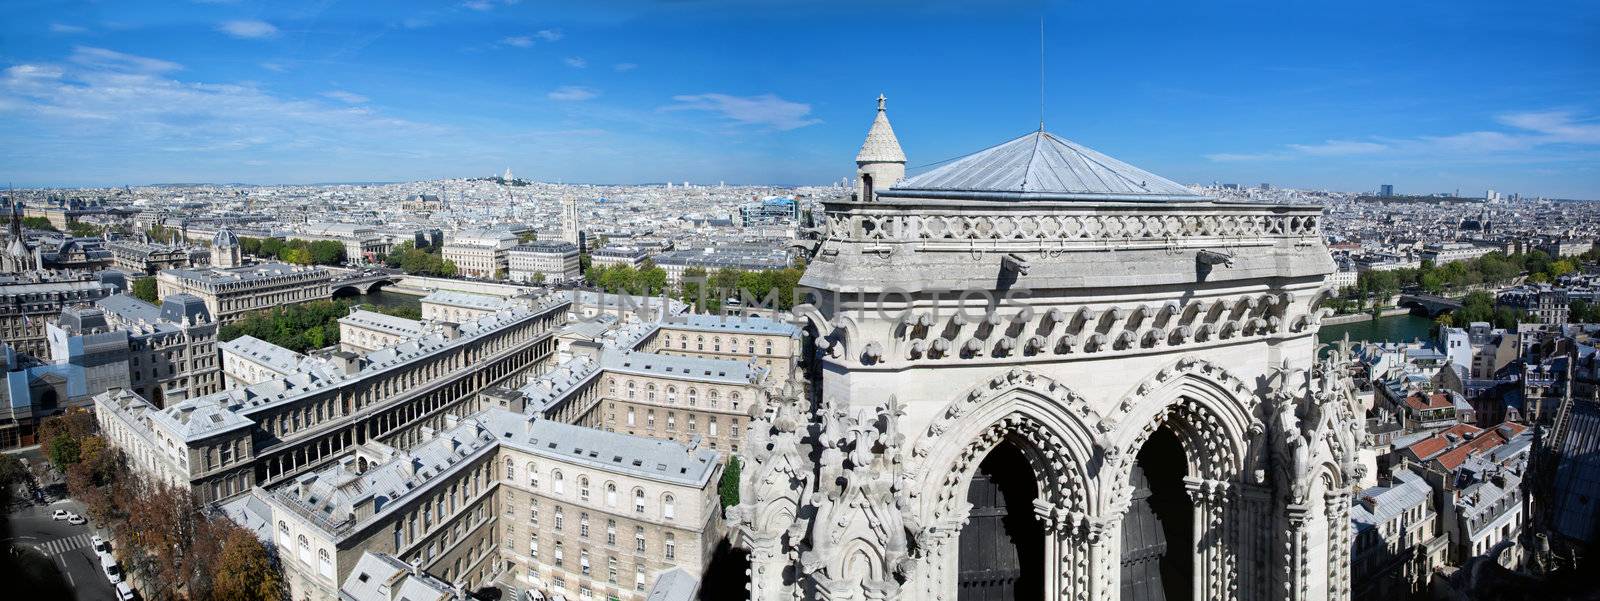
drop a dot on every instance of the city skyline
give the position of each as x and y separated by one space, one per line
775 93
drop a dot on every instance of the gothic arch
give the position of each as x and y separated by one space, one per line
1048 422
1209 409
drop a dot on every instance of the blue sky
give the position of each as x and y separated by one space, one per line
1428 96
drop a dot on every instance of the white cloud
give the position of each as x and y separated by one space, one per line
1530 130
624 67
520 41
488 5
573 93
64 28
765 110
549 35
346 97
102 95
117 61
248 29
1331 148
275 67
1559 126
576 62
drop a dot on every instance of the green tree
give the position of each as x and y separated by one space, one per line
538 277
728 487
145 289
38 223
12 472
63 451
84 230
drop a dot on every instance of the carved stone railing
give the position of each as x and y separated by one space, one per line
1032 224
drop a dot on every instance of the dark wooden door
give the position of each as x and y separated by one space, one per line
1001 546
1144 544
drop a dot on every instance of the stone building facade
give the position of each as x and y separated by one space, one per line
145 257
558 261
367 331
679 398
773 344
1085 370
479 253
230 293
276 429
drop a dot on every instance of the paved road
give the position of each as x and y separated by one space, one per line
65 545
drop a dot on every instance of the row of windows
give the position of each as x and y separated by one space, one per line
716 344
692 394
558 485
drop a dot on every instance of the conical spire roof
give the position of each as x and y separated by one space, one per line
1042 166
881 145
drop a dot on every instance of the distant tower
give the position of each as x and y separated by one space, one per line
17 259
507 176
569 220
881 163
225 251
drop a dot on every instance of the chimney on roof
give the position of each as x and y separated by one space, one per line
451 330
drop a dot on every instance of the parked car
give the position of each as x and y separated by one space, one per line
109 565
60 514
101 546
124 592
75 519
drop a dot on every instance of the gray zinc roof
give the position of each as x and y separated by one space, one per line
1042 166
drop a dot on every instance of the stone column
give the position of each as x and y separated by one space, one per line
1215 576
1103 541
1294 569
767 563
1338 515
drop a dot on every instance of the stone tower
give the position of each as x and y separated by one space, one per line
569 221
1040 372
17 259
881 163
225 251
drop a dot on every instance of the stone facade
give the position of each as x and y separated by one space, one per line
772 344
1004 301
479 253
557 261
230 293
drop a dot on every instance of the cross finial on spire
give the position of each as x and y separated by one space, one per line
880 101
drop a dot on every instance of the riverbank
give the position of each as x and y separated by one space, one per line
1396 328
1360 317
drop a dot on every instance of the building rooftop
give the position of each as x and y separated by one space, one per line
1041 166
384 322
334 496
731 323
465 300
1380 504
725 371
383 577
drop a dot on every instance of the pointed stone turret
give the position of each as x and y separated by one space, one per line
881 163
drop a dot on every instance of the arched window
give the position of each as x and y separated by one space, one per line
611 494
305 550
711 397
638 500
769 347
611 386
630 389
668 508
716 344
733 397
699 343
650 392
561 518
324 564
694 396
750 346
683 341
558 482
284 528
533 474
583 487
511 469
672 394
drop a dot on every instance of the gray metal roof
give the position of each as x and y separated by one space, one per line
1041 166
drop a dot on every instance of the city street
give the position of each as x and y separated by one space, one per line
65 545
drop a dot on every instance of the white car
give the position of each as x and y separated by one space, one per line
101 546
75 519
124 592
112 570
60 514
